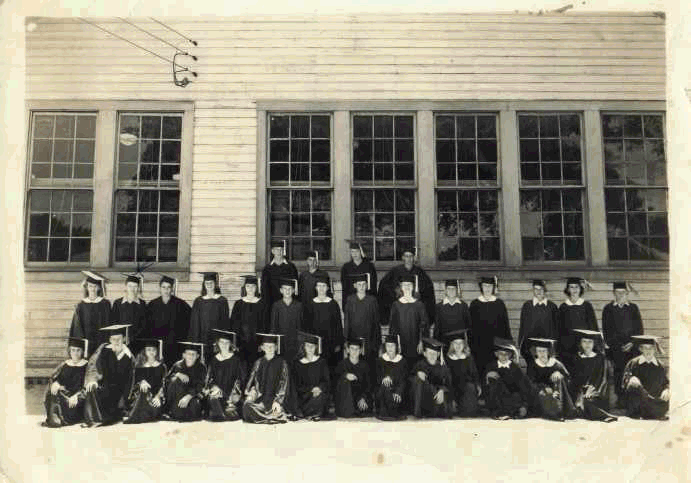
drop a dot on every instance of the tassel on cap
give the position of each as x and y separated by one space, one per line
587 285
631 288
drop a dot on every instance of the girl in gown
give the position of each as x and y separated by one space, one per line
391 381
323 318
311 379
147 394
185 384
225 379
64 399
249 315
409 320
550 379
209 311
92 312
465 380
574 313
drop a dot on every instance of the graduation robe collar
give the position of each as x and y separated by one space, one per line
125 351
135 301
577 302
536 302
246 300
273 262
502 365
211 297
653 361
491 298
404 300
304 360
453 302
550 362
82 362
218 356
397 357
583 356
155 364
625 304
317 301
462 356
87 300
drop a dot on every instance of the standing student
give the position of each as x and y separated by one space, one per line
278 269
391 381
489 319
225 379
250 315
551 381
361 317
509 391
409 320
168 319
267 391
287 317
352 375
323 318
452 313
131 309
92 312
108 378
465 380
307 280
185 384
209 311
430 383
539 319
621 319
589 377
359 265
147 396
574 313
645 381
311 378
64 399
423 287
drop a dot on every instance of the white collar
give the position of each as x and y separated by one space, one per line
451 302
221 358
305 360
504 365
155 364
284 262
253 301
536 302
317 301
125 301
491 298
405 300
125 351
550 362
620 305
456 358
654 361
583 356
94 301
78 364
396 358
209 297
577 302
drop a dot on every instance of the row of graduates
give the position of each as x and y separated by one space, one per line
111 385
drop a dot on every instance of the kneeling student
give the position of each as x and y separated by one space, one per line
108 379
645 381
352 383
392 375
465 381
146 397
266 395
550 378
64 400
430 384
311 378
509 391
185 383
225 379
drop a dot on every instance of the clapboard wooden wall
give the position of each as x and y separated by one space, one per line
346 57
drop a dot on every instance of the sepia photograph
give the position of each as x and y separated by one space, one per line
361 241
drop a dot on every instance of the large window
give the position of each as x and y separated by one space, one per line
636 186
299 154
551 158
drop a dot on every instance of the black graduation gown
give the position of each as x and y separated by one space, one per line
271 280
141 409
307 283
307 376
230 376
423 392
488 320
324 319
286 320
539 321
106 403
133 313
573 317
508 393
208 314
464 382
88 318
409 320
645 402
389 286
361 319
552 399
246 319
169 322
271 380
348 393
590 371
618 325
387 408
176 390
58 411
350 270
450 318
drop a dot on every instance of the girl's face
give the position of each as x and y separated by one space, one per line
539 292
587 345
269 349
132 289
354 350
150 353
574 290
486 289
407 288
542 353
431 356
92 290
458 345
451 293
223 345
648 351
311 263
503 356
76 353
620 295
209 285
310 349
190 357
390 349
277 252
251 289
356 255
166 290
321 289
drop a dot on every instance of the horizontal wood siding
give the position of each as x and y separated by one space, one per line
247 59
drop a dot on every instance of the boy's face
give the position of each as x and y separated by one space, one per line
542 353
150 353
451 293
131 288
408 259
117 341
287 291
190 356
92 290
431 356
166 290
390 348
502 355
277 252
620 295
269 349
311 263
223 345
361 287
76 353
354 350
648 351
321 288
539 292
587 345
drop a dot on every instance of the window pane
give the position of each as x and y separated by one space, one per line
383 126
58 250
444 127
39 224
172 127
151 127
43 126
279 126
64 126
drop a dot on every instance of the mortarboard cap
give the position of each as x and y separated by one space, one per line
573 280
504 345
116 329
141 344
305 337
539 342
361 277
137 278
647 339
355 245
489 280
83 344
429 343
359 341
588 334
451 283
410 278
619 285
321 278
406 246
539 283
280 244
166 279
193 346
391 339
314 254
132 278
251 279
225 334
215 276
290 282
270 339
95 278
455 334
